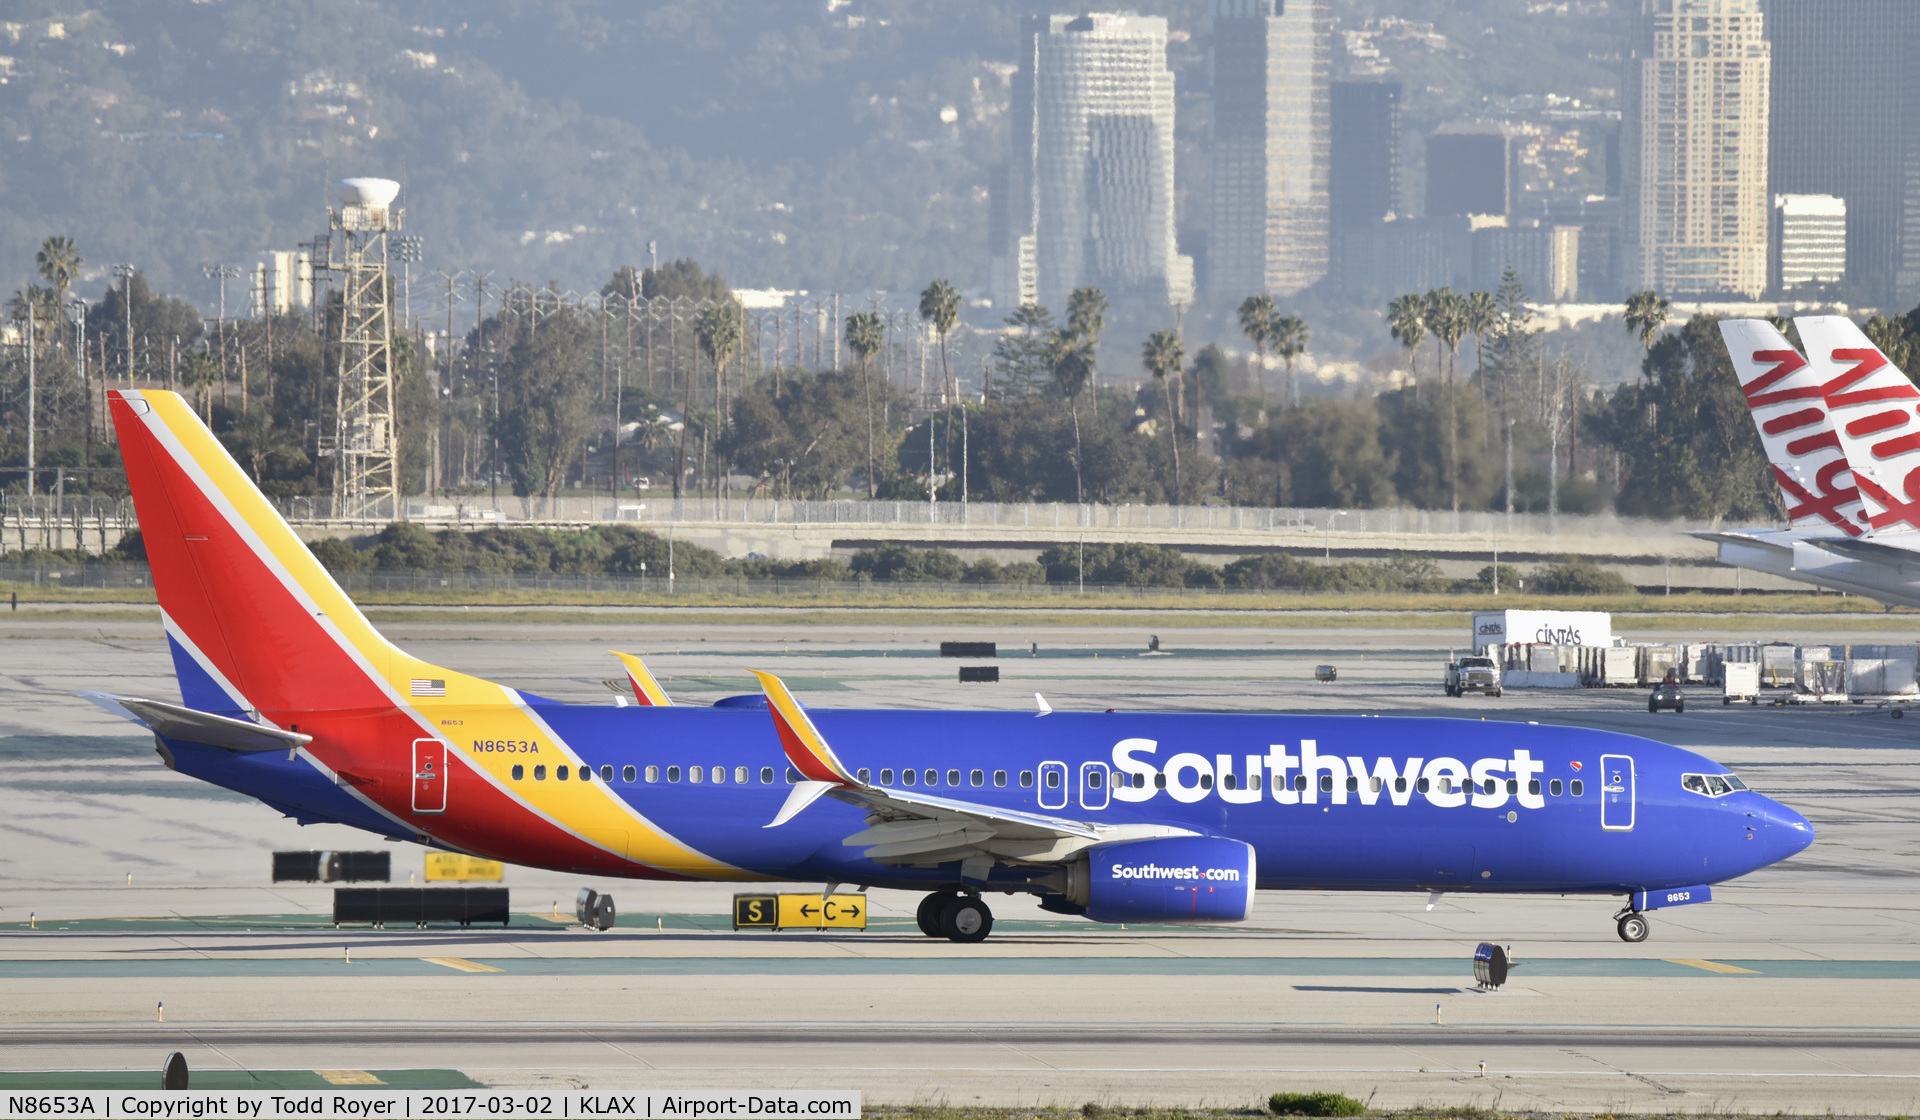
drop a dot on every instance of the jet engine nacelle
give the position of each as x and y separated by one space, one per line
1176 879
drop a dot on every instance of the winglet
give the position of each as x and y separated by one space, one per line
1046 709
806 749
646 690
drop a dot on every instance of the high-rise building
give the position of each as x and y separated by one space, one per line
1846 122
1545 258
1809 240
1693 148
1089 182
1271 136
1364 164
1469 171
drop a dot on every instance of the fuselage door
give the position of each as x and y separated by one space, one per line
1616 792
429 776
1053 785
1093 785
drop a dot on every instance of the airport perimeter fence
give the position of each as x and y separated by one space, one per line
123 575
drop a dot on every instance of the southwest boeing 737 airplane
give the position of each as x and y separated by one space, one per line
289 695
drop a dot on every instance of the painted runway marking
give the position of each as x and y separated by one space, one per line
348 1077
464 965
1713 966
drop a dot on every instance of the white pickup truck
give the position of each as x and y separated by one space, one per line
1473 674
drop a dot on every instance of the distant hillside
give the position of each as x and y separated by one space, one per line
779 142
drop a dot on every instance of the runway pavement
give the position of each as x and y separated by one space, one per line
1795 990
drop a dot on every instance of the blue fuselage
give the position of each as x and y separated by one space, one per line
1327 802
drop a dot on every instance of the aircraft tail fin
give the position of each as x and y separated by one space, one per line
1791 414
255 623
1875 411
646 690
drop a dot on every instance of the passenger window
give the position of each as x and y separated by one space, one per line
606 774
1353 784
886 777
1026 779
1229 780
627 774
1399 785
1533 786
740 775
792 775
977 778
1159 780
865 775
1553 787
1421 786
1695 783
653 774
1374 784
999 777
1300 781
1093 778
586 773
696 775
540 773
719 775
1446 785
1492 787
1053 779
953 778
766 775
519 771
1326 783
908 777
560 773
673 774
1578 788
1513 786
1206 781
933 777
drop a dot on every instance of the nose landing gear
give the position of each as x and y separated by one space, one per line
954 916
1633 926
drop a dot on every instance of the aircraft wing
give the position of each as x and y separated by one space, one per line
189 725
1764 538
904 827
1898 549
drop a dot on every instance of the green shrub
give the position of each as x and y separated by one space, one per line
1577 575
1314 1104
905 564
336 555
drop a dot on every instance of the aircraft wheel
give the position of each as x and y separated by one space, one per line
965 918
928 915
1634 928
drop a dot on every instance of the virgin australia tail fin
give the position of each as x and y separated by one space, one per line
1876 412
1791 413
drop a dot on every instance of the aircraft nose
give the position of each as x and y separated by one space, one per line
1780 831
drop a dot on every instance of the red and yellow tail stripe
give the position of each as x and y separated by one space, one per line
646 690
265 617
806 748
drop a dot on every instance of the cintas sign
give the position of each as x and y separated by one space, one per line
1555 628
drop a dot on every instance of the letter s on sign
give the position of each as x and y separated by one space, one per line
1139 787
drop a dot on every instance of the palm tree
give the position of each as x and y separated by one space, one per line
1257 315
59 263
1406 320
717 331
1446 317
1289 335
1162 356
1646 313
1483 314
1072 360
1086 318
866 333
940 306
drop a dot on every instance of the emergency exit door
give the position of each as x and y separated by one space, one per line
429 776
1616 792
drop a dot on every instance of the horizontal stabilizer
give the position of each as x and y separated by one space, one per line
187 725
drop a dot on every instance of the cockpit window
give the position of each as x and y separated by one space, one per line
1711 785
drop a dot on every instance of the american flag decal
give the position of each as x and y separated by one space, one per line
429 688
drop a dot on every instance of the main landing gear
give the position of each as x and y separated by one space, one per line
1633 926
954 916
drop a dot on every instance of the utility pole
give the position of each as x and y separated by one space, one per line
218 272
446 389
125 274
653 257
77 311
33 400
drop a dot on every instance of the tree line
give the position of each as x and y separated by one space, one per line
542 394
